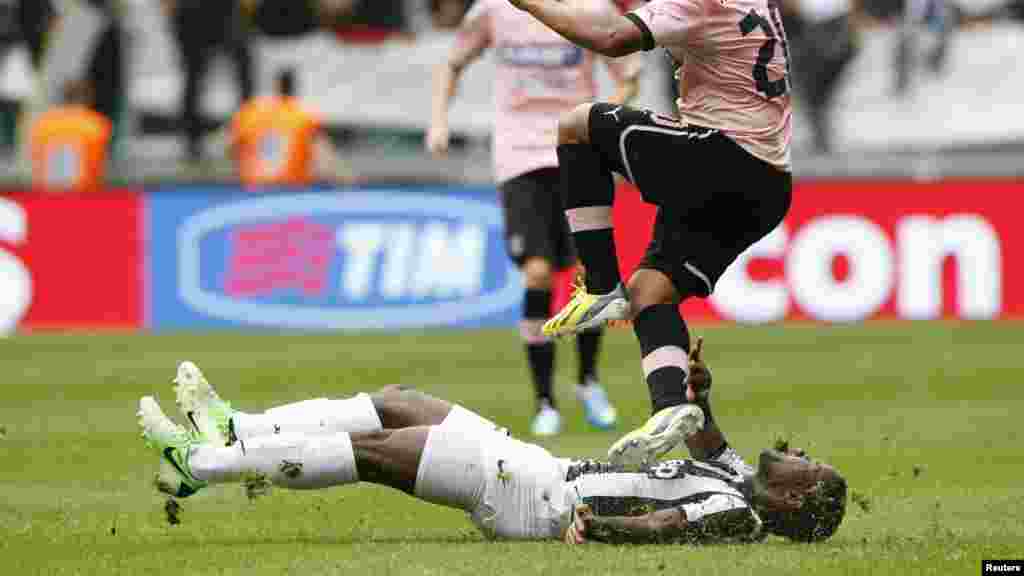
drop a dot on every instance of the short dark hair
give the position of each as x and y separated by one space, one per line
819 517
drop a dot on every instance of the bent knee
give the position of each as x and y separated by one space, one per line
650 288
573 126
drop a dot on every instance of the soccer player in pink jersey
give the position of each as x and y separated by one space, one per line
539 77
720 176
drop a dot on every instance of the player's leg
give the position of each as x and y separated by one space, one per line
597 410
730 201
528 242
588 192
439 464
214 420
640 147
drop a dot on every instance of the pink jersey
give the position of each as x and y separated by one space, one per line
538 76
733 72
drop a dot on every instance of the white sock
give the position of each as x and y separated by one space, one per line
311 417
287 460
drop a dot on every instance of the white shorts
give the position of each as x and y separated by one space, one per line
523 491
511 489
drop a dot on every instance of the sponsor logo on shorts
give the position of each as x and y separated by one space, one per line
614 112
291 469
544 55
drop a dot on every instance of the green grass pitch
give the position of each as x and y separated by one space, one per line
923 419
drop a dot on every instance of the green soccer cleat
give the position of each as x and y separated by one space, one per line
661 433
209 416
586 310
172 443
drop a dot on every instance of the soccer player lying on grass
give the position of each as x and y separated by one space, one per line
445 454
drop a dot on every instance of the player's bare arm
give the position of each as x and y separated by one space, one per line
610 35
468 48
662 526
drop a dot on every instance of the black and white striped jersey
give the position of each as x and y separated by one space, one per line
709 493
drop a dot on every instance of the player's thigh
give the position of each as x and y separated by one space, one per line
671 251
452 468
657 153
746 207
693 243
530 215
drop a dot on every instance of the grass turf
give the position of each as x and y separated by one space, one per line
919 417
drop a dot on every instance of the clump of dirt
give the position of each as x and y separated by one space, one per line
918 470
173 511
256 485
861 500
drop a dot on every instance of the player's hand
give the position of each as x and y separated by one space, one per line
699 381
577 531
437 141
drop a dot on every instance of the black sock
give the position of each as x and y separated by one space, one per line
658 326
586 181
588 344
602 271
540 352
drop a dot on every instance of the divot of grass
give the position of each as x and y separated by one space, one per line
861 500
173 511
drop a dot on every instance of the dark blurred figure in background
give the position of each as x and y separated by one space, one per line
824 38
201 28
106 69
290 18
24 25
375 21
69 142
917 15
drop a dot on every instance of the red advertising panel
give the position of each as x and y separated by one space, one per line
851 251
71 261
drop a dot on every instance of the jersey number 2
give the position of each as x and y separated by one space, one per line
770 88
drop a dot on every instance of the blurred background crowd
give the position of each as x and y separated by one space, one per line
877 82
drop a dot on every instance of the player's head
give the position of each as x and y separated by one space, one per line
284 82
447 14
796 497
77 92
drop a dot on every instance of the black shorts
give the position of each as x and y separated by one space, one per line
714 198
535 225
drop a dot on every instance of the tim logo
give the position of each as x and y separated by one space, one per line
376 259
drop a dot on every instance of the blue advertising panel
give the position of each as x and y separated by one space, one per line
352 259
